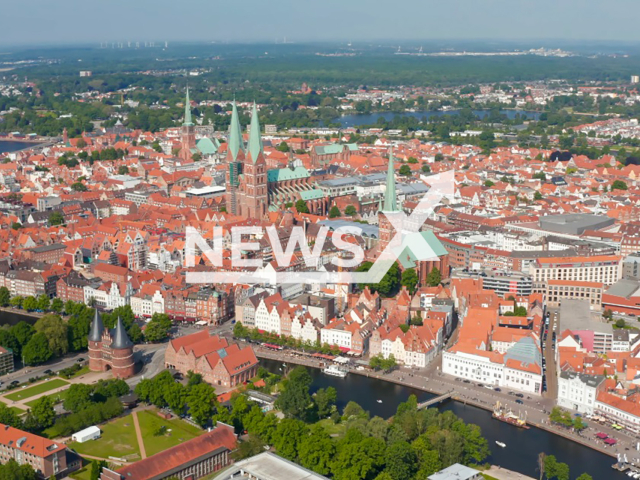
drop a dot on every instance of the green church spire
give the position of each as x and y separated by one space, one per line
390 201
255 138
235 133
187 111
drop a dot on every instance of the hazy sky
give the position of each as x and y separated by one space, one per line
82 21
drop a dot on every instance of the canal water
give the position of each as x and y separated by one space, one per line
7 146
522 446
11 317
357 120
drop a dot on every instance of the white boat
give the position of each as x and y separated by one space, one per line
501 444
379 401
335 371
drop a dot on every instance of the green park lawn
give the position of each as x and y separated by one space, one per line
178 431
118 440
56 397
82 474
43 387
333 429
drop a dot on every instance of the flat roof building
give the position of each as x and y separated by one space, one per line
575 223
268 466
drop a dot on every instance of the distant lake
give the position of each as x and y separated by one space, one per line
12 146
358 120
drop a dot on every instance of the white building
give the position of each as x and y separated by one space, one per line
518 369
144 305
577 391
89 433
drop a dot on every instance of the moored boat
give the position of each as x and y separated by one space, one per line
506 415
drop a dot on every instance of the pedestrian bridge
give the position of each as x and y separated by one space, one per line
436 400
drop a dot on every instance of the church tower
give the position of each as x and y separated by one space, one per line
235 158
255 173
187 133
389 206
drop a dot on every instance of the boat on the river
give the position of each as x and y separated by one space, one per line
335 371
379 401
501 444
505 414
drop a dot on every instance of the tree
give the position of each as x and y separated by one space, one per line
5 296
405 170
288 438
9 341
585 476
283 147
401 461
541 463
155 332
200 400
43 303
123 170
23 332
537 196
78 397
540 176
43 411
426 168
57 305
350 210
96 468
434 277
388 286
9 417
334 212
37 350
316 451
295 398
81 143
325 399
301 206
16 301
250 447
56 218
30 303
488 183
78 328
56 331
79 187
409 279
618 185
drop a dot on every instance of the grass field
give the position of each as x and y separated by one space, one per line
332 428
82 474
36 389
178 431
82 371
118 440
488 477
57 398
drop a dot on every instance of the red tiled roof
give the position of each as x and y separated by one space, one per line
161 464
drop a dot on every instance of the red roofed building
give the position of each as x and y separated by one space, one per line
196 458
45 456
213 358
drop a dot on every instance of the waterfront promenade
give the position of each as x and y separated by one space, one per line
432 381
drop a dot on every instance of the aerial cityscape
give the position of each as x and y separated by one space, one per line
291 252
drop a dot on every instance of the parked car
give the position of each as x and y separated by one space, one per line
519 401
80 360
497 389
519 395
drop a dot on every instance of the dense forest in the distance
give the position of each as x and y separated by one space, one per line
292 64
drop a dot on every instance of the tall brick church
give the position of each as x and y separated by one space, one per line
110 349
246 174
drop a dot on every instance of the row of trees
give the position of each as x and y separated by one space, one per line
551 469
564 418
378 362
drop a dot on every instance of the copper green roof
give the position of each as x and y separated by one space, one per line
314 194
281 174
187 111
413 248
206 146
235 133
390 201
255 140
